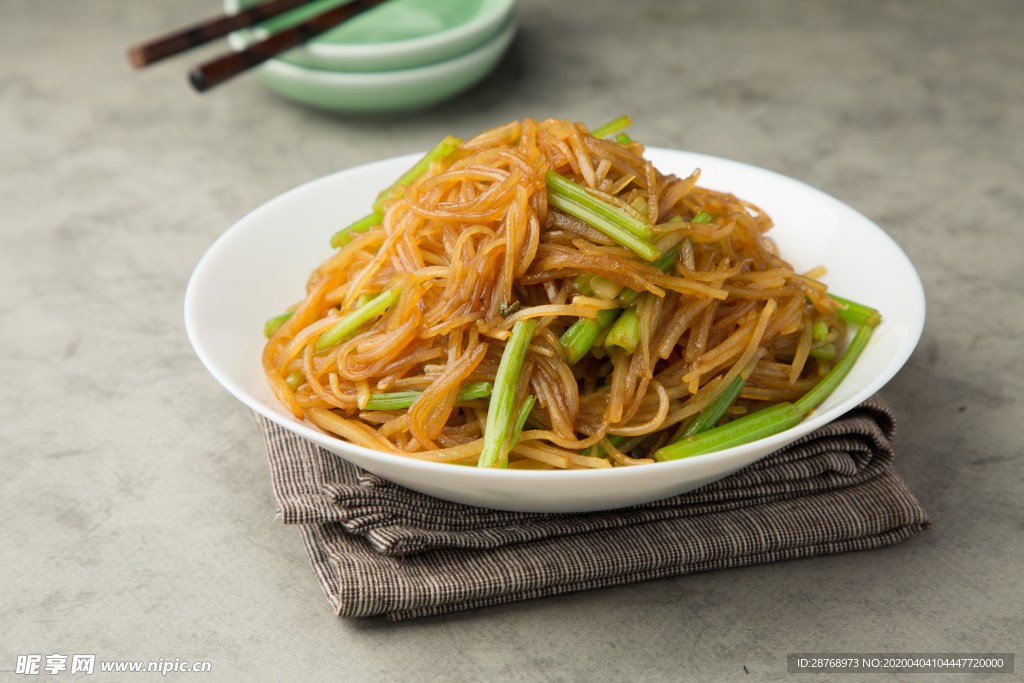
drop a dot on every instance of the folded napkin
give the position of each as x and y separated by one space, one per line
379 548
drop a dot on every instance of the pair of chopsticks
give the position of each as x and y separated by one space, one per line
217 70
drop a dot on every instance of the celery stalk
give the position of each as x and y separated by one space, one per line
664 263
748 428
612 126
495 450
708 417
772 420
625 332
341 238
441 150
348 325
857 313
270 327
640 246
579 338
567 188
403 399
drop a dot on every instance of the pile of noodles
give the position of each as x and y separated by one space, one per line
473 235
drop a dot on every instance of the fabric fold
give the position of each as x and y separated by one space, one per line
379 548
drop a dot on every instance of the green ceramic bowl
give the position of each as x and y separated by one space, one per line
400 34
386 91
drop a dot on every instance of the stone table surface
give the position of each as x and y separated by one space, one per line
138 520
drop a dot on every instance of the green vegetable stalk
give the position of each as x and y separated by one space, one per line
524 413
499 414
616 439
403 399
625 332
748 428
857 313
348 325
570 190
270 327
826 352
579 338
612 126
341 238
294 380
441 150
772 420
708 417
641 247
835 376
664 263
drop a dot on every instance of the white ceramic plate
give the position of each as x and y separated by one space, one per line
259 267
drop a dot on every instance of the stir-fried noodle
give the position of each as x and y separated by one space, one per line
402 327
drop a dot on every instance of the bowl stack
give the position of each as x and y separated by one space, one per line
399 56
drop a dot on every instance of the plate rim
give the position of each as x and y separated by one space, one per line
813 422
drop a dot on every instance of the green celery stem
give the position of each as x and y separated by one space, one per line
772 420
295 380
340 238
623 139
763 423
625 332
348 325
441 150
857 313
494 453
612 126
714 412
270 327
579 338
524 413
664 263
641 247
570 190
581 284
403 399
827 385
604 288
616 439
826 352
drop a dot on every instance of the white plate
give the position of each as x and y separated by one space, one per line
259 267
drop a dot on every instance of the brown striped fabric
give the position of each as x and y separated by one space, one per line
379 548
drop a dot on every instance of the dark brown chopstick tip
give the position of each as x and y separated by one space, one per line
137 56
198 80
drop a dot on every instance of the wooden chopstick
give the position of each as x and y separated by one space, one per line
187 38
216 71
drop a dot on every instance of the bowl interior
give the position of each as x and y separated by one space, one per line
391 22
259 266
399 34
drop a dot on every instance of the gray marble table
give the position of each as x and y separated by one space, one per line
138 521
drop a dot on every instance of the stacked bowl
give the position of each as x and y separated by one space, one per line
401 55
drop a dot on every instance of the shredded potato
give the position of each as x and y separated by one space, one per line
471 246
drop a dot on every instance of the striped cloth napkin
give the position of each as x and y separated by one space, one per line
379 548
